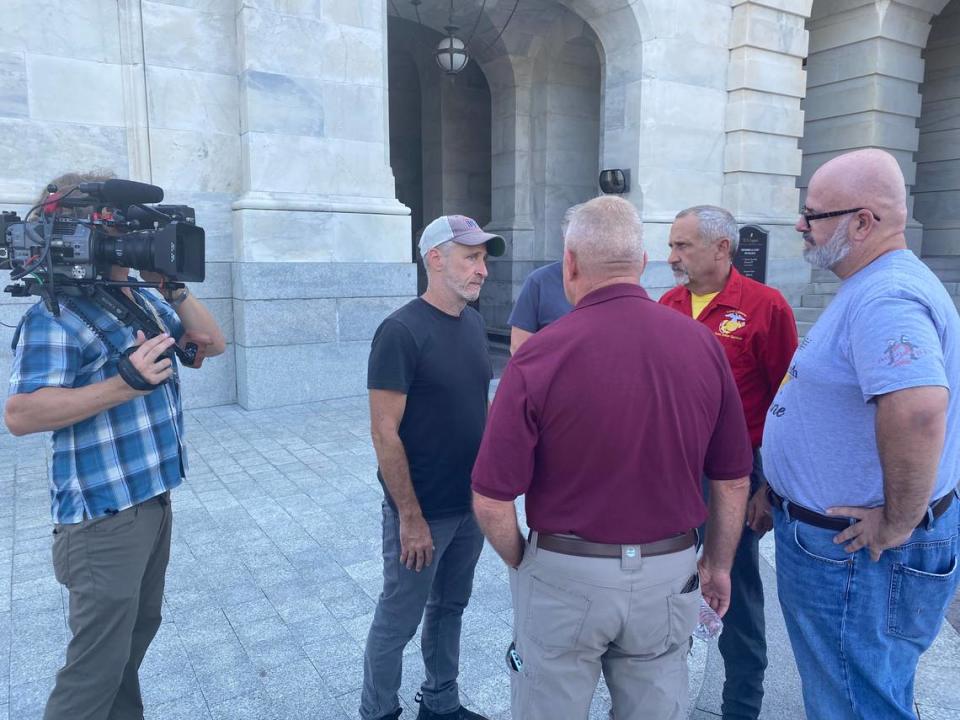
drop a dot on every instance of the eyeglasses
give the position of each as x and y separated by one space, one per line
809 217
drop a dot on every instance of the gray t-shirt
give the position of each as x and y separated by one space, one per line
891 326
541 299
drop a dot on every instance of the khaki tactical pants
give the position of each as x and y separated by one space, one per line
575 617
114 568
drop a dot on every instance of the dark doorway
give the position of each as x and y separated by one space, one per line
440 133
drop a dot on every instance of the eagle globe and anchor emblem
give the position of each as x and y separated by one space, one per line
901 352
732 321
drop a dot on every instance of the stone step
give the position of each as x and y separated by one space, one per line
807 314
813 300
823 288
947 275
803 328
817 275
944 262
945 267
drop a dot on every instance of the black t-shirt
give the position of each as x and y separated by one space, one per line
443 366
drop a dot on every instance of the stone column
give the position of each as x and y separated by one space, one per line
763 124
664 115
511 93
863 74
181 108
322 245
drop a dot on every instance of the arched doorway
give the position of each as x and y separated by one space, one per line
864 70
937 189
523 129
440 144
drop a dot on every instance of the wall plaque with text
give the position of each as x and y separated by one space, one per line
751 257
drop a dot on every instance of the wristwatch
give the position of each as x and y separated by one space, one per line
175 300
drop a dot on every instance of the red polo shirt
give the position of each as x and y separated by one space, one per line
607 418
756 327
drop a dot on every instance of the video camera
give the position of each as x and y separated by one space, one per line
62 251
121 229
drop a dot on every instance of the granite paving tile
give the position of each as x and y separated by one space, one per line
274 573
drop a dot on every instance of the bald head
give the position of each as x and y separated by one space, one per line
606 235
868 178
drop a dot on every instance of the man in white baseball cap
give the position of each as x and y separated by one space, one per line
460 229
429 376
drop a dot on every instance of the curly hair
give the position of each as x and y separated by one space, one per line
68 181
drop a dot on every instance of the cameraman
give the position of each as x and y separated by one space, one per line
117 453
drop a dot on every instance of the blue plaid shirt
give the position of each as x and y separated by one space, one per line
123 456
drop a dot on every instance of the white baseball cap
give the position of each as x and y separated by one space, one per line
460 229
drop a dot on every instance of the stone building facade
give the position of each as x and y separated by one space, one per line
315 137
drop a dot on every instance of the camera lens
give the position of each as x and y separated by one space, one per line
176 251
133 250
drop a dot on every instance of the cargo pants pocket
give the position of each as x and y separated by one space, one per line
683 611
61 555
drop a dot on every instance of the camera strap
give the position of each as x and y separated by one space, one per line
113 349
128 372
16 335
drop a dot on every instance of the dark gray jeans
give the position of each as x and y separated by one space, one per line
439 594
743 642
114 567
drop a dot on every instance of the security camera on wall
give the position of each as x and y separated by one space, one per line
615 182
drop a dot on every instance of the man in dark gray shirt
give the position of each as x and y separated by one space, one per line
429 376
541 301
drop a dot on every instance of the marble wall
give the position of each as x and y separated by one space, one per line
271 117
268 117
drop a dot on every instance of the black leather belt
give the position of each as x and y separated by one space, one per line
567 545
830 522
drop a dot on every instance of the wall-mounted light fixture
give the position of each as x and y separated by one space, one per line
615 181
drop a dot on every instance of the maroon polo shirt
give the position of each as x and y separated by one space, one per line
607 418
756 327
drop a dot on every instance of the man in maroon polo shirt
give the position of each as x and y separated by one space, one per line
605 420
756 328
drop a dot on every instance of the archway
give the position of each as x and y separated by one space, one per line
863 74
937 189
558 106
439 133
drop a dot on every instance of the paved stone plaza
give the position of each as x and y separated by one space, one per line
273 578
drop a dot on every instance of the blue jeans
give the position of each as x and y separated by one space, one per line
858 627
438 594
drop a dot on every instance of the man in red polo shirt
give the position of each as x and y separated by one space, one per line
605 420
756 327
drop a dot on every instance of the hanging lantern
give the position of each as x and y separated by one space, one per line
451 53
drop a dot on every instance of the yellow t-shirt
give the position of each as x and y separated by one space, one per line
699 302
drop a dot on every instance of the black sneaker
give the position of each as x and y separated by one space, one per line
460 713
392 716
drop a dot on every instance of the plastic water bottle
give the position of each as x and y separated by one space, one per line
710 624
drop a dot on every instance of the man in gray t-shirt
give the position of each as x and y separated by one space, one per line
862 452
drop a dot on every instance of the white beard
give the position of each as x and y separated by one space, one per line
831 252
